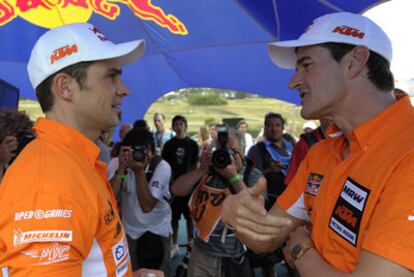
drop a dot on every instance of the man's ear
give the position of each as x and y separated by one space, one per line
357 60
63 86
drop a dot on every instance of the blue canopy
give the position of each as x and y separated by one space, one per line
190 43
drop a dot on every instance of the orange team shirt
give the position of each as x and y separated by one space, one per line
365 201
58 215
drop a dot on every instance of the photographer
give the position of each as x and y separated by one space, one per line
141 179
216 250
15 133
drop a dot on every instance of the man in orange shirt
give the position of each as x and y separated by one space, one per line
354 189
58 214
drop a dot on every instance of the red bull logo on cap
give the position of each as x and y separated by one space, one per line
50 14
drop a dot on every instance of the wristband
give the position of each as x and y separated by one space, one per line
234 179
120 176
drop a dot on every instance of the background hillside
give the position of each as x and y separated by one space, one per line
237 105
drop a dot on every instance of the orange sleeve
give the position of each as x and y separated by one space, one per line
292 199
391 229
46 234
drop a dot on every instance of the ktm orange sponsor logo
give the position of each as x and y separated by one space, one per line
63 52
349 31
346 215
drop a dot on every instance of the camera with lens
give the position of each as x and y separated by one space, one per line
221 157
139 153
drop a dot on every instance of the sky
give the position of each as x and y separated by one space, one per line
396 18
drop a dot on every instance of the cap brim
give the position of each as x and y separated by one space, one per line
126 52
283 53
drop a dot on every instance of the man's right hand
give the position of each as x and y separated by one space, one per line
126 159
245 213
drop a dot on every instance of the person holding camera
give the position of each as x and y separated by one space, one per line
15 133
141 180
216 250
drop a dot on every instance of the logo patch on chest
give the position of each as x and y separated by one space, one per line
313 184
348 211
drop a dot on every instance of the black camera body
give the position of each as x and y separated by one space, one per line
139 153
221 157
22 141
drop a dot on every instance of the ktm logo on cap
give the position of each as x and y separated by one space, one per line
63 52
349 31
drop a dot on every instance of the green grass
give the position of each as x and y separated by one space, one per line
252 109
32 108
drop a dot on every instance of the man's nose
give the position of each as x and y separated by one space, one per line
295 82
122 89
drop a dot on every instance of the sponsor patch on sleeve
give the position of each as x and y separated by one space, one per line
155 184
20 237
120 251
313 184
42 214
348 211
54 253
123 268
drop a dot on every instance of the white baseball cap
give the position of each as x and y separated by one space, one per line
73 43
342 27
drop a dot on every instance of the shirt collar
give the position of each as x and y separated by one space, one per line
389 120
71 138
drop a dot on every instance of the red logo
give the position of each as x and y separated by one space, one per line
62 52
101 36
349 31
144 9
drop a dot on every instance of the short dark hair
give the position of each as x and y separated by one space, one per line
139 136
141 123
14 123
274 115
379 72
242 121
181 118
43 91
